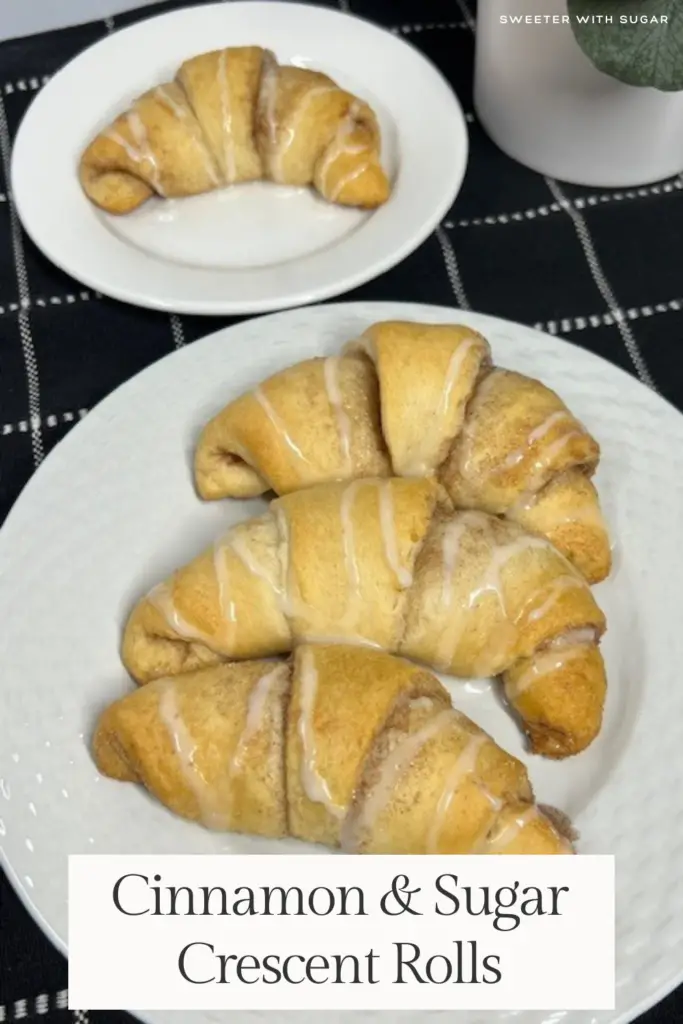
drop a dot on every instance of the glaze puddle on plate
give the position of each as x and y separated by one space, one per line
252 225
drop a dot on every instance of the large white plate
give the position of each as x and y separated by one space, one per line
249 248
113 510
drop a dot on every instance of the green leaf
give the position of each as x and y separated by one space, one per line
642 53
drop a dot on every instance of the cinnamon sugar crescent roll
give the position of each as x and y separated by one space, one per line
390 564
410 399
236 115
342 746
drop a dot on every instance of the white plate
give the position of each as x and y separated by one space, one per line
113 510
249 248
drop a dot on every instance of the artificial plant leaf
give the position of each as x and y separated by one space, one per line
647 52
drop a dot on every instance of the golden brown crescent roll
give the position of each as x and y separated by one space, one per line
236 115
410 399
342 746
389 563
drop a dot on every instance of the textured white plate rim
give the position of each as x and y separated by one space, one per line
451 137
667 417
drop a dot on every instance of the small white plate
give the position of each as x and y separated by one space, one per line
113 510
248 248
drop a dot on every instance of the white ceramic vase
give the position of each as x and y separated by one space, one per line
542 102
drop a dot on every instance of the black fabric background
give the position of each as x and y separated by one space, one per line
602 268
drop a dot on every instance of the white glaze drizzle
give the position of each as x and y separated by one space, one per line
453 372
464 766
553 448
226 118
160 597
500 556
277 423
543 663
314 785
504 837
256 708
588 513
450 546
419 463
580 635
290 600
547 425
495 801
226 602
352 572
234 540
183 114
541 464
139 151
185 748
165 97
334 396
389 537
144 147
346 179
351 562
132 153
489 582
267 101
537 434
508 833
558 586
394 765
340 144
290 130
241 549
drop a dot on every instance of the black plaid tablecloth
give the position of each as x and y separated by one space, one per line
602 268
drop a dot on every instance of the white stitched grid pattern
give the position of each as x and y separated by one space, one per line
25 84
177 332
42 1004
452 268
51 420
28 350
467 15
51 300
579 203
580 323
430 26
602 284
